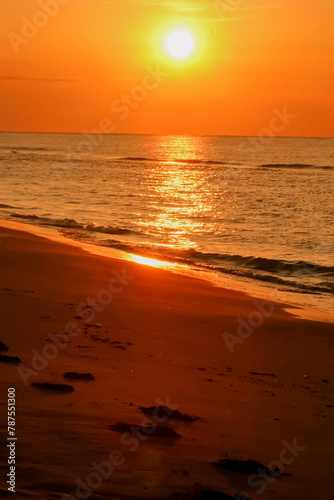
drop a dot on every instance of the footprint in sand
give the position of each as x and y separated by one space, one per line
172 414
247 467
47 387
86 377
158 431
3 347
215 495
12 360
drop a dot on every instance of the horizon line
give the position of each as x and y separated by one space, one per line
166 135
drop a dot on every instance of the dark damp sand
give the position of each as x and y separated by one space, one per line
157 343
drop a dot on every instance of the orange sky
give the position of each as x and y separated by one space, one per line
87 56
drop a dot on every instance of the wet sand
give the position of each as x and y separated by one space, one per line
130 367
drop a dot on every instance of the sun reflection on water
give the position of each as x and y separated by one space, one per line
146 261
180 196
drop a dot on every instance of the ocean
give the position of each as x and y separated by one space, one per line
234 209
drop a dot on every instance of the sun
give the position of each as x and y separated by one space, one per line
180 44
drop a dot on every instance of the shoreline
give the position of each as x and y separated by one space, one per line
285 298
150 337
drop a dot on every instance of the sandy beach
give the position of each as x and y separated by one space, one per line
155 346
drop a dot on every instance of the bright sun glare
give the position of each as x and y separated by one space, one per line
180 44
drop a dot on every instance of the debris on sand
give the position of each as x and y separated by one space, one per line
52 387
153 411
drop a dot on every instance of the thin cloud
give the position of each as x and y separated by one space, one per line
28 79
261 7
175 6
63 80
245 12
